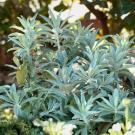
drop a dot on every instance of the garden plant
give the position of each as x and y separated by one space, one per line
67 81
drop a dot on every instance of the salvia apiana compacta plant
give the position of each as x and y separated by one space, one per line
66 79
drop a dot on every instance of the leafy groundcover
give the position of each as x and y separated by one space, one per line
68 82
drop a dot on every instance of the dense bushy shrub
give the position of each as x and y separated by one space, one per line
63 72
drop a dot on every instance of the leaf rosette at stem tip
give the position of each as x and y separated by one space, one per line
26 38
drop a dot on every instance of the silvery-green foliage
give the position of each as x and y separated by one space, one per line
15 99
26 39
54 30
65 80
112 105
71 75
84 112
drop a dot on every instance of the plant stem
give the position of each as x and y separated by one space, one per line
126 118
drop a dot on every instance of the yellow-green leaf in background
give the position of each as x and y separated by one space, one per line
21 74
